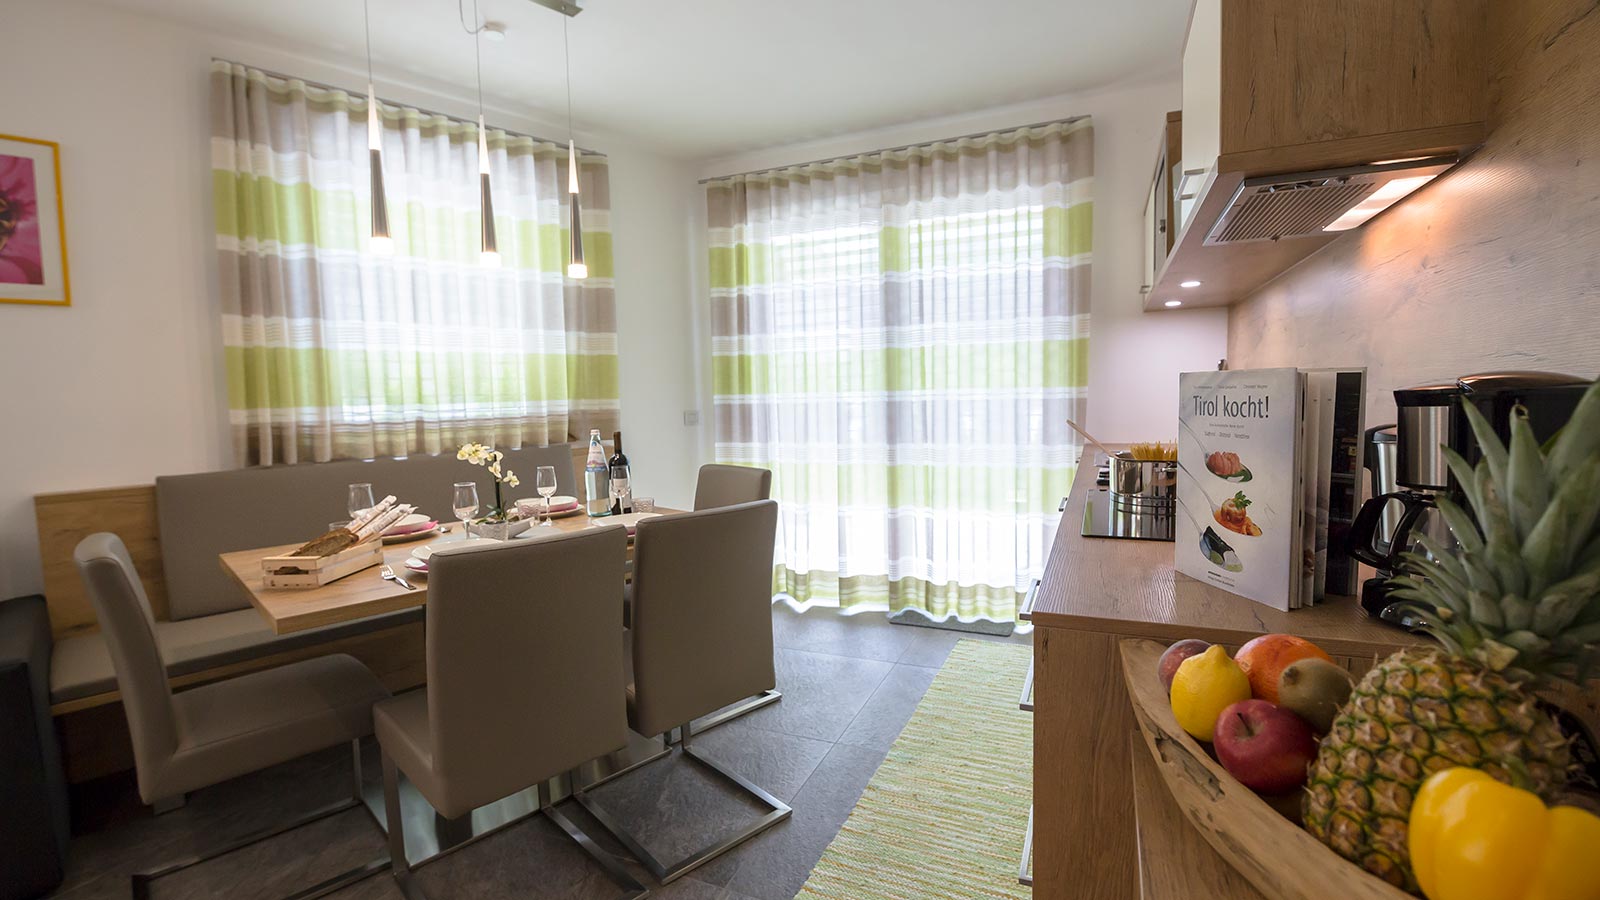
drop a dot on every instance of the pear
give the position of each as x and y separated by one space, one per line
1314 689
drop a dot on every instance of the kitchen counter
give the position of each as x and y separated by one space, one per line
1094 592
1129 587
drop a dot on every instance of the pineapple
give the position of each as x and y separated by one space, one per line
1515 608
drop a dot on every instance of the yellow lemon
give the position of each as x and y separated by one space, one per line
1204 686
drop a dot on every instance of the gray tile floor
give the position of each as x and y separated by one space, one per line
850 683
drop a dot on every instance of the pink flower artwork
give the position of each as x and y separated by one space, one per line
21 259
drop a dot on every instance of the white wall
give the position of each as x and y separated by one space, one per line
1134 357
127 384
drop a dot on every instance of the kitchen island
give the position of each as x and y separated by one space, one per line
1094 592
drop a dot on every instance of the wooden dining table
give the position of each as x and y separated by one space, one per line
361 594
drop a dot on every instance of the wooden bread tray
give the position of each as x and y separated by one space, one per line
315 571
1281 859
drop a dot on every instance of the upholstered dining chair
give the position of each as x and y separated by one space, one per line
212 733
719 485
701 639
525 684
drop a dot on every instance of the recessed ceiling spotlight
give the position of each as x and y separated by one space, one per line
1172 303
494 31
1189 284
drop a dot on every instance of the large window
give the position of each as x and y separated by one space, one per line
901 339
334 351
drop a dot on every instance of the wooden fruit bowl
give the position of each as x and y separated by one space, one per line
1281 859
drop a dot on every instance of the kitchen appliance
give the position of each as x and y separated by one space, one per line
1311 204
1431 418
1137 502
1409 471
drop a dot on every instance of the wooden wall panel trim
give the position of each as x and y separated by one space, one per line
65 518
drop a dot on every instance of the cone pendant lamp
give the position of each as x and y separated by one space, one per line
488 249
576 268
381 242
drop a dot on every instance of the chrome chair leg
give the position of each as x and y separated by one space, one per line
743 708
143 881
668 872
404 871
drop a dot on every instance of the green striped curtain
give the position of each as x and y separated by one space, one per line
901 338
334 352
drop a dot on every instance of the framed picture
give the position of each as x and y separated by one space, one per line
33 231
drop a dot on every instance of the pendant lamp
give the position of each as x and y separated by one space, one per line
381 243
575 264
489 251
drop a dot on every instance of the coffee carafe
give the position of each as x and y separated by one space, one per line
1410 473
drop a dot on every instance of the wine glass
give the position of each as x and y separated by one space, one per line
621 493
544 479
465 503
360 499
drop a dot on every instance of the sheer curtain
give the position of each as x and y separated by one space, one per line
335 352
901 338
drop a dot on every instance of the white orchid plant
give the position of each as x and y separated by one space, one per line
489 458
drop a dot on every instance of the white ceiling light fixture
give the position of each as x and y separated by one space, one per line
381 243
489 251
494 32
1173 304
576 268
1191 283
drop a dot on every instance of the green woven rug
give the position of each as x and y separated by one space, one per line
945 815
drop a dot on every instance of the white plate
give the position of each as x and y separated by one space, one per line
407 524
426 550
538 502
631 520
416 565
412 535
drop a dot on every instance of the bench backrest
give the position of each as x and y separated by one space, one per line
65 518
211 513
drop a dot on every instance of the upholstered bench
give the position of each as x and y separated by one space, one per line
205 625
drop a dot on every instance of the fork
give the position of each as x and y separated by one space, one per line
388 575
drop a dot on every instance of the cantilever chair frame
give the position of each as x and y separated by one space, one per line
667 872
143 881
405 870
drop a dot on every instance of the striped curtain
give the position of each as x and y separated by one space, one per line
334 352
901 338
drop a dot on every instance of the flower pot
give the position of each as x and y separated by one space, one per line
499 531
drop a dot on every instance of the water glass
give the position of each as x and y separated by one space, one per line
545 482
465 503
644 504
360 498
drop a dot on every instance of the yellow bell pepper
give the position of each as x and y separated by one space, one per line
1473 838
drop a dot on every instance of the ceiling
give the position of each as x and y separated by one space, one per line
701 79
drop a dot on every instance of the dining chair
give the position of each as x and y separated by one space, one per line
209 734
719 485
525 684
701 639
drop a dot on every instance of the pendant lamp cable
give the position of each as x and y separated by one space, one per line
477 57
366 22
566 55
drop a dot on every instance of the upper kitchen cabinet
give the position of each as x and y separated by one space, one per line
1305 119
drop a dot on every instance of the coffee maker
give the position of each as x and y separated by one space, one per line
1409 472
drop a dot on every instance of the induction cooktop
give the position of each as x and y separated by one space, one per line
1103 517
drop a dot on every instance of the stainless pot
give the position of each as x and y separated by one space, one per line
1143 483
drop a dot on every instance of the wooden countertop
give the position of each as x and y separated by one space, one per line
1129 587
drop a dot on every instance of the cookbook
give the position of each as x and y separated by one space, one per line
1257 449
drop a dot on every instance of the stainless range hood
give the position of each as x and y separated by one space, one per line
1273 207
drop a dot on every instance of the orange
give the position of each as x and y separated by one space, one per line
1264 659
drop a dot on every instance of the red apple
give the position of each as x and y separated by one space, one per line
1265 746
1174 657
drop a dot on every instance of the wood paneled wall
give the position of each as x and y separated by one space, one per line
1494 266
